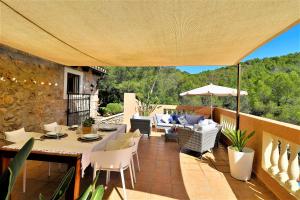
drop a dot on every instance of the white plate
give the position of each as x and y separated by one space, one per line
74 126
90 136
53 134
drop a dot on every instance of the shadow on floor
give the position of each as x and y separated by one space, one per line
166 173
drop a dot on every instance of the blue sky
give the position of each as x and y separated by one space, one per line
288 42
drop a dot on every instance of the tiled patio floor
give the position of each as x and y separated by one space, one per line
165 174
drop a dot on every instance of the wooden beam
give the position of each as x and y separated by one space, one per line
238 98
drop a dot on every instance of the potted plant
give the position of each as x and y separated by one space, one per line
240 157
87 125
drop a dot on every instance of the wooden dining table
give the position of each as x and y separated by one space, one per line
69 150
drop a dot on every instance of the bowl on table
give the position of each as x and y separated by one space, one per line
107 127
53 134
90 136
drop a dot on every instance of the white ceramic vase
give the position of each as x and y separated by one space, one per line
241 163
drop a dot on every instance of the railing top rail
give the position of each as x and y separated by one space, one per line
287 131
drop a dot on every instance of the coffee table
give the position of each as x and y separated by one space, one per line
170 134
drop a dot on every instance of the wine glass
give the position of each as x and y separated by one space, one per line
58 130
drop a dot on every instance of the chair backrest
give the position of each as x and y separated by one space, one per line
112 159
17 135
136 141
184 134
50 127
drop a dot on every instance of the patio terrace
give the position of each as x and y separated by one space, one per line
165 174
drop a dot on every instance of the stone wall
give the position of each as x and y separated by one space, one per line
26 98
29 96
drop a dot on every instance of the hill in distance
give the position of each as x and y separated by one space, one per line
273 85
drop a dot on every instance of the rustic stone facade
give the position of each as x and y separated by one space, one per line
29 96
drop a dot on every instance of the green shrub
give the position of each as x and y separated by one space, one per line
102 111
114 108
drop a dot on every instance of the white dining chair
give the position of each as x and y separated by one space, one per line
135 150
115 160
135 136
50 127
17 136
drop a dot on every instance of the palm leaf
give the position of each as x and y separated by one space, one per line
238 138
98 193
93 193
63 186
8 179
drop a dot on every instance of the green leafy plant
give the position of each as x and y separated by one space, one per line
62 187
8 179
93 192
114 108
88 122
103 111
238 138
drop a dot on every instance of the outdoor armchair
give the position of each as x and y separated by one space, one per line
144 125
199 141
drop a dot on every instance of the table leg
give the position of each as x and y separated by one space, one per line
4 162
73 191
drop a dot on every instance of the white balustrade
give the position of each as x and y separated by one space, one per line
283 166
282 176
293 169
274 156
227 123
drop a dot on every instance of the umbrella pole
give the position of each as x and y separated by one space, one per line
238 99
211 112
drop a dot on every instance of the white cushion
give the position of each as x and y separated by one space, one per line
16 136
165 119
207 127
130 135
50 127
120 143
206 122
135 116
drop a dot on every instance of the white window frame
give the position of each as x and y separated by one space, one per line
76 72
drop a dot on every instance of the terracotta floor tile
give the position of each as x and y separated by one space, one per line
165 173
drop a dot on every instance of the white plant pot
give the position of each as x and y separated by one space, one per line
241 163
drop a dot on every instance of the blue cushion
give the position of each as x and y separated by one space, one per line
193 119
175 118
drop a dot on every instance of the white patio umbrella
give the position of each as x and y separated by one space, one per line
213 90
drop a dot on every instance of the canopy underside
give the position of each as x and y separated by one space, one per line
144 33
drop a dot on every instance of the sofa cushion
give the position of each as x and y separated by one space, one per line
175 118
193 119
166 119
182 120
207 127
17 135
157 118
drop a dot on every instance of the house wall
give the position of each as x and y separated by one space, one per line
26 104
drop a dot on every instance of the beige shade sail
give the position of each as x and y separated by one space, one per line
144 32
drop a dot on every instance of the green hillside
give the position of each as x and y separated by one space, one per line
273 85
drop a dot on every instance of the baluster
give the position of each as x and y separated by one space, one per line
293 169
274 157
282 176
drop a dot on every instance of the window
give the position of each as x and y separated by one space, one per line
73 83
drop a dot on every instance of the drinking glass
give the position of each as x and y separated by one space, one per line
58 130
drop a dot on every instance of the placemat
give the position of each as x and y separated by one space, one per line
43 137
82 140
